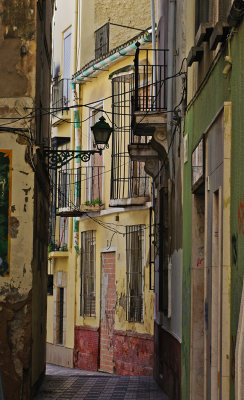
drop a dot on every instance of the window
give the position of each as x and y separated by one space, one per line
53 205
135 271
63 233
50 285
88 293
102 41
202 13
128 178
66 67
60 316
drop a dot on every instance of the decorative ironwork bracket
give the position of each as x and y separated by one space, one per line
58 158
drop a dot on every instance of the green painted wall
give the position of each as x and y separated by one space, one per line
237 187
199 115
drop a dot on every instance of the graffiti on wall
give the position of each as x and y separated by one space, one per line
5 191
241 215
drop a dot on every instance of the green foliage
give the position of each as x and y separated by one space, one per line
93 202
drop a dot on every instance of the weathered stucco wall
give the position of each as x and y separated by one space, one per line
23 283
16 289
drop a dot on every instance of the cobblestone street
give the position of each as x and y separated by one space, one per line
66 383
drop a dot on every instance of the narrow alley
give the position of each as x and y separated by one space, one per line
68 383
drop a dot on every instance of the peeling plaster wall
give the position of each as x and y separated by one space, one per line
24 67
16 290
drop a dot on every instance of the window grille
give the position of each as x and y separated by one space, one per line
61 94
79 185
135 271
102 41
53 205
88 254
128 178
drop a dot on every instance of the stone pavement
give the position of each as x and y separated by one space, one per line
68 383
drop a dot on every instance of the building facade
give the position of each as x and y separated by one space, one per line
213 258
25 52
100 311
164 204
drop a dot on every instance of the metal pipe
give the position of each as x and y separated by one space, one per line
76 134
136 64
97 67
77 163
171 39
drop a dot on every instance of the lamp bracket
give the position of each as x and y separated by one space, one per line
58 158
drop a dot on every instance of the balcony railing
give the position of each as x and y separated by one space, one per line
128 178
80 190
61 94
150 81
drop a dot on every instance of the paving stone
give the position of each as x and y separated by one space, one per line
67 383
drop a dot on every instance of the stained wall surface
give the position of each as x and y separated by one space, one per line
24 194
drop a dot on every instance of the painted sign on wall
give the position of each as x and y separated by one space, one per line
5 191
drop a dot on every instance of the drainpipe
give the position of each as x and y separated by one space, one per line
76 135
170 82
77 164
154 52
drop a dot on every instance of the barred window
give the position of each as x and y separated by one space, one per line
128 178
135 271
88 293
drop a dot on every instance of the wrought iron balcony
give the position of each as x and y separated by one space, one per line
130 185
149 97
61 94
80 190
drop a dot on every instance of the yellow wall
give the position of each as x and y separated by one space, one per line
93 15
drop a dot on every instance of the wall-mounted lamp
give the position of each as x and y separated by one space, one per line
101 131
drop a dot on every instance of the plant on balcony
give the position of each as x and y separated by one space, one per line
52 247
94 202
64 247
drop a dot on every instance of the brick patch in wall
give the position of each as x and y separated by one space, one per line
86 349
133 353
108 302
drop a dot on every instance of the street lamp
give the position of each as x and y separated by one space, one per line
57 158
101 131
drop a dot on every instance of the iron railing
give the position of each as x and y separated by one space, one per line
58 239
135 236
88 274
128 178
150 81
80 187
61 94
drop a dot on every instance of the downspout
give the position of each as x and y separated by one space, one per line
76 135
170 82
77 165
154 52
